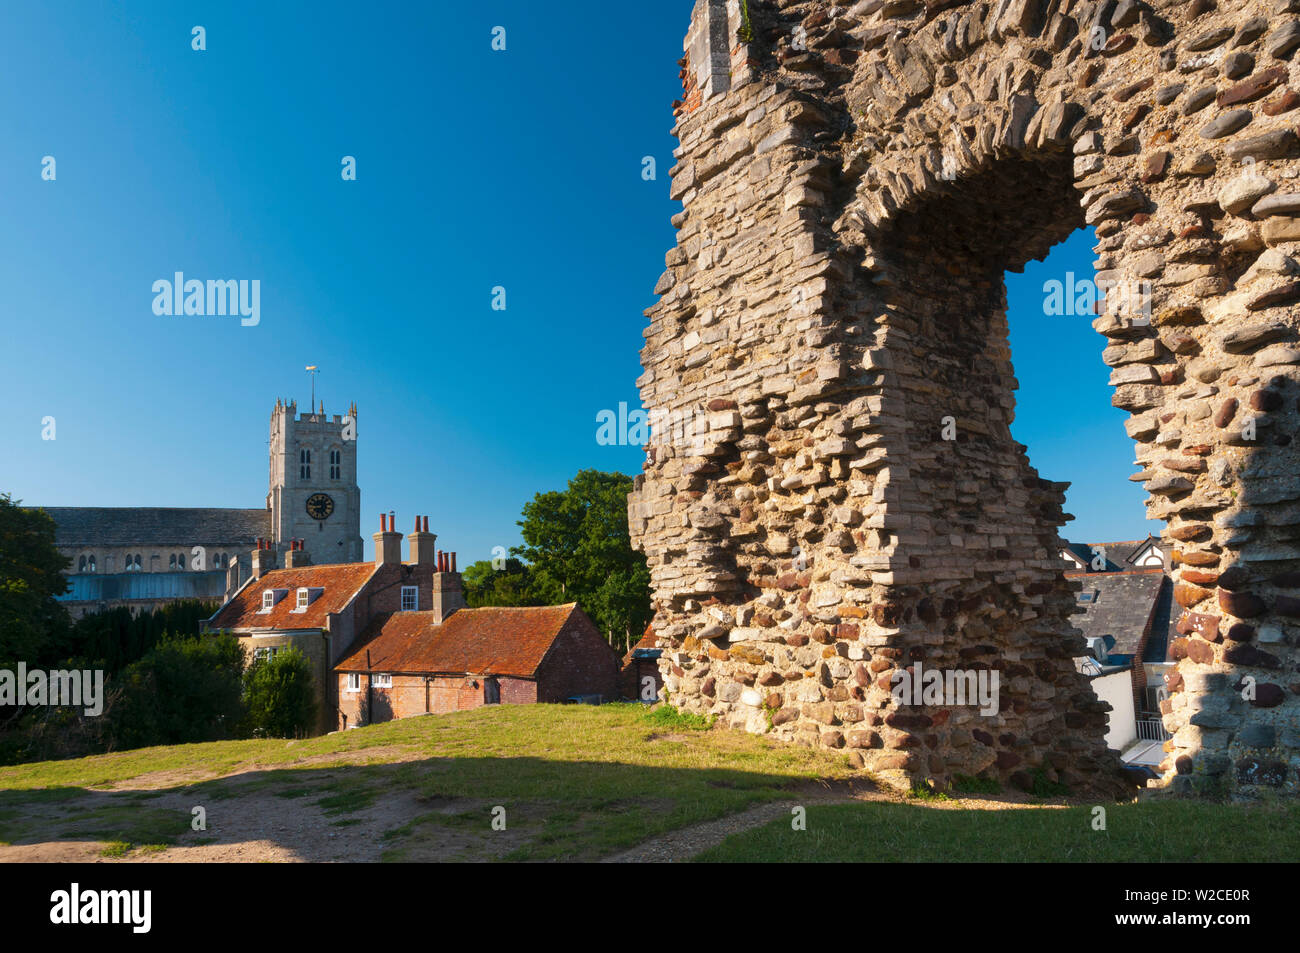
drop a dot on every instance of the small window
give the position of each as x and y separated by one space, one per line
268 600
336 464
304 599
410 598
354 681
171 563
264 654
81 564
90 564
304 464
382 681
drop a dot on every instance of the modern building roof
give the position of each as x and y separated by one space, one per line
489 641
1119 605
88 526
1120 556
338 585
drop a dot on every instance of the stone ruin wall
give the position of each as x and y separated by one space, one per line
836 297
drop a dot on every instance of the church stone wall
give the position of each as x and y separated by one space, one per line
833 494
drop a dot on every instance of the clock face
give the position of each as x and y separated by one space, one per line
319 506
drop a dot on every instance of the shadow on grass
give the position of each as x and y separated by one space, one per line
439 808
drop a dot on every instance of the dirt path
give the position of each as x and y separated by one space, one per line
680 846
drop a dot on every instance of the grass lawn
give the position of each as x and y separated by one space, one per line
1143 832
569 782
575 782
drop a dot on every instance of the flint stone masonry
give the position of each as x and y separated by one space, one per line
832 319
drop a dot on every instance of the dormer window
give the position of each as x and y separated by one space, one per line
305 597
270 597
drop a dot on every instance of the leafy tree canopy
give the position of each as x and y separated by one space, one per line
577 547
31 575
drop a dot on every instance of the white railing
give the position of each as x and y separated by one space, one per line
1151 728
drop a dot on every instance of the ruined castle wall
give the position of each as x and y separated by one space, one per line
836 495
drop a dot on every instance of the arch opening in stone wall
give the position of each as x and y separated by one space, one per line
887 169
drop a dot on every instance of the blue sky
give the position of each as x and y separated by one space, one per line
475 169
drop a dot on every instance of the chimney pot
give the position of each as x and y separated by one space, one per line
426 524
453 562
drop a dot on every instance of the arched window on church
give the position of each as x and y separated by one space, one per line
81 564
180 561
336 464
90 563
304 464
171 563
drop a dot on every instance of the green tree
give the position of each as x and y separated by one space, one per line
31 575
183 690
578 550
114 638
510 585
279 697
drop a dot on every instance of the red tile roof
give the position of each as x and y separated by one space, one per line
489 641
340 584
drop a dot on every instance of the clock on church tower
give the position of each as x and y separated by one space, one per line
320 506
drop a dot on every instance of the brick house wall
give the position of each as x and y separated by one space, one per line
518 691
580 662
384 594
634 671
420 694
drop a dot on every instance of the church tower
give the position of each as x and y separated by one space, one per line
313 489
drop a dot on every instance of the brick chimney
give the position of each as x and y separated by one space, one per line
296 555
263 558
421 543
448 593
388 541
